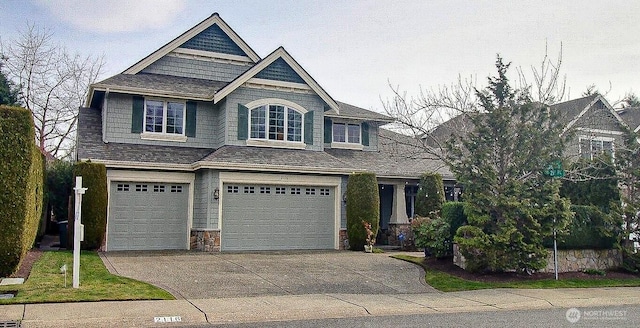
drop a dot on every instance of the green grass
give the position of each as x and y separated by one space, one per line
449 283
46 283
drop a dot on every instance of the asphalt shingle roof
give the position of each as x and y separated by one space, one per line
164 84
91 146
398 156
275 157
350 111
631 115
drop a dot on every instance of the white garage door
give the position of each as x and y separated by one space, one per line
274 217
147 216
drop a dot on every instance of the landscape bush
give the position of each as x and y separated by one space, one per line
590 228
22 183
430 195
436 234
94 203
363 204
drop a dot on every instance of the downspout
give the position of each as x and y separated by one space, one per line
104 116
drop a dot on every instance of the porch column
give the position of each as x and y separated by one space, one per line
399 208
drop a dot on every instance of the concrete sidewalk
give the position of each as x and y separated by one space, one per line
312 306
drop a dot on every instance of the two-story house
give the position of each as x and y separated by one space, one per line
208 146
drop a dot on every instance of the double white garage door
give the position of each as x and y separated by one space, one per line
154 216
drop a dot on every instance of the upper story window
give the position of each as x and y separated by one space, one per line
347 133
164 116
594 146
276 122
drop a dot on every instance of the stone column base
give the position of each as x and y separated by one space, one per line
205 240
394 232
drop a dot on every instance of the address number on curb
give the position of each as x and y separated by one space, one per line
167 319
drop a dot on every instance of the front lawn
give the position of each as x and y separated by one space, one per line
447 282
46 284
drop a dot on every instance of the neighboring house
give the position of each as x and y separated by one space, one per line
596 127
210 147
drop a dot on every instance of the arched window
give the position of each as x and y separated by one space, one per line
276 122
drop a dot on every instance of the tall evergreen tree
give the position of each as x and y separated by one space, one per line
8 91
513 205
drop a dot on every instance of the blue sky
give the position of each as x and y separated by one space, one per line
355 48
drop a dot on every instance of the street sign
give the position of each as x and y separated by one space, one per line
555 170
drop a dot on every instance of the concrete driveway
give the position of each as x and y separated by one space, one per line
202 275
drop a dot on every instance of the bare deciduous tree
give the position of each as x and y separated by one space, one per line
419 116
52 82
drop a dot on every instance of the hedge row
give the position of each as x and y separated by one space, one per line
363 204
21 176
94 204
591 228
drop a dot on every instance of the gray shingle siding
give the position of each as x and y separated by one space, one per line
200 200
215 40
343 205
246 95
185 67
279 70
119 108
205 208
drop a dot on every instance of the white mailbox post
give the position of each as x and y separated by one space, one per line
78 231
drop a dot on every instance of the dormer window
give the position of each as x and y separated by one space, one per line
276 122
346 133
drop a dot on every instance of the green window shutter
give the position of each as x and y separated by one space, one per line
191 118
243 122
137 114
328 132
308 128
365 134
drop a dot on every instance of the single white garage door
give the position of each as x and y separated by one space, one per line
147 216
273 217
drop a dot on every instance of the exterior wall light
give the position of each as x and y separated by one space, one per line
216 194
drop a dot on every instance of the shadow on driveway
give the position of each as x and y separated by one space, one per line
203 275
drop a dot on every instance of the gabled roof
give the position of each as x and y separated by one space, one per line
279 53
569 108
569 112
352 112
161 86
188 35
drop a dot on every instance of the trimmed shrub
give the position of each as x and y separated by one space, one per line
437 234
21 177
94 203
430 195
434 235
363 204
590 228
453 213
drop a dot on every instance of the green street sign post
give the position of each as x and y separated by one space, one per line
555 170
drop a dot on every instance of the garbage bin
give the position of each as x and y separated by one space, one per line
62 230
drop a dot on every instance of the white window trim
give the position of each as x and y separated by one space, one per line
260 142
597 138
164 136
346 144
